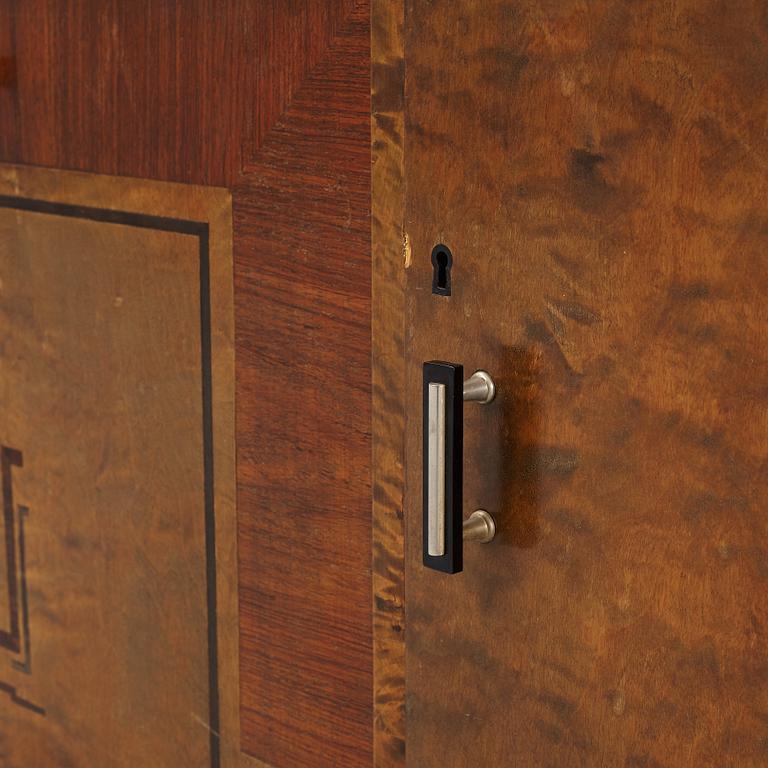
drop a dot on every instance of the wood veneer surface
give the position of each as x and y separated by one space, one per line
269 99
599 172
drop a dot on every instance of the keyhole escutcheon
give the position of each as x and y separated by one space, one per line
442 261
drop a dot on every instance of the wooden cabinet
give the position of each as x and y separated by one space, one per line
216 299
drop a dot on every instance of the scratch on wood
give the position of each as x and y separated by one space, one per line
205 724
406 250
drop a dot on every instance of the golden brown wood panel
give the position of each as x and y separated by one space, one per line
389 255
270 99
118 475
599 171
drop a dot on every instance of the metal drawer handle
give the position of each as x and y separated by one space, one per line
444 529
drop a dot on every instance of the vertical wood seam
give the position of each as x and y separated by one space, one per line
388 330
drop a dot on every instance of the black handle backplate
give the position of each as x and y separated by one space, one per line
452 376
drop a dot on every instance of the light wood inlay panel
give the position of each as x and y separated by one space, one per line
117 433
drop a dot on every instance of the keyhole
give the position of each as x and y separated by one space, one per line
442 269
442 261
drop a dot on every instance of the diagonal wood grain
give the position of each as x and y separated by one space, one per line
388 333
290 40
304 484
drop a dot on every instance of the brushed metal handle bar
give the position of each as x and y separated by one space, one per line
443 402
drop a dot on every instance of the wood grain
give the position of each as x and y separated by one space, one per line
269 99
125 472
599 171
389 262
170 90
303 302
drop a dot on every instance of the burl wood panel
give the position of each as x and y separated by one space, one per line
270 99
599 171
119 638
303 307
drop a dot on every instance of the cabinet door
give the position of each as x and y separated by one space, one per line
598 172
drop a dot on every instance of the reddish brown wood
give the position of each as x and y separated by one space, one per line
270 99
167 90
303 303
